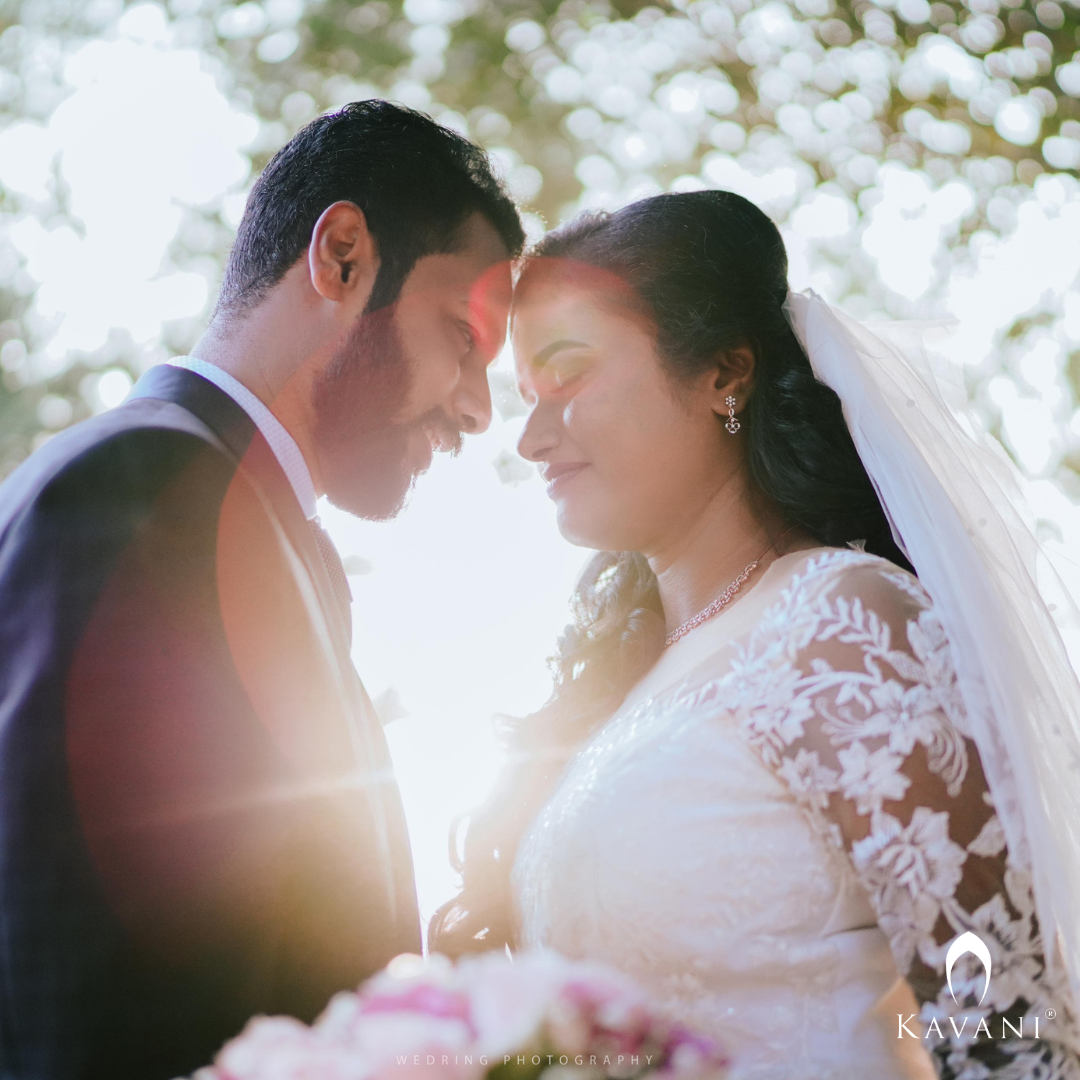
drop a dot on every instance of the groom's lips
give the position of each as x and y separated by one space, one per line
558 474
421 462
443 437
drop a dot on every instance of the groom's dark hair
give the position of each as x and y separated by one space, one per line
415 181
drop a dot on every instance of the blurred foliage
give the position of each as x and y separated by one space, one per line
587 103
554 82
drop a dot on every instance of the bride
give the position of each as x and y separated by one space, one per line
757 787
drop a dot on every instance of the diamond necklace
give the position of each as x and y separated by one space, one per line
721 601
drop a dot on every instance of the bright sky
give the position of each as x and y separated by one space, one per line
468 589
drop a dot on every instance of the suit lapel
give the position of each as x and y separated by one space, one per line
240 435
241 438
261 463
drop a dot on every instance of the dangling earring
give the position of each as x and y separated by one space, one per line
732 424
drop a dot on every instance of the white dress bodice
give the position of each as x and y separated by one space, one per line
672 850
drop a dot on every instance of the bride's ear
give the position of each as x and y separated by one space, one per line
343 258
733 376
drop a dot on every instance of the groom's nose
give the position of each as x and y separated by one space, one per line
472 404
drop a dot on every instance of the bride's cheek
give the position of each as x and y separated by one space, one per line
589 432
575 419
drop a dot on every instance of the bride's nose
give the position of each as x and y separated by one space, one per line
539 436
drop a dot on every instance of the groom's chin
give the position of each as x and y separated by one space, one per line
373 498
372 479
373 486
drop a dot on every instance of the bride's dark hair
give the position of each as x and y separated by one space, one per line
710 270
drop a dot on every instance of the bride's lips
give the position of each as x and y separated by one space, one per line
558 474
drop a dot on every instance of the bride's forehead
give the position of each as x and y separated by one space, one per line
549 302
555 314
555 298
552 276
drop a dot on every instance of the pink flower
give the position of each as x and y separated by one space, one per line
509 1001
687 1054
433 1020
425 1000
397 1022
617 1011
280 1048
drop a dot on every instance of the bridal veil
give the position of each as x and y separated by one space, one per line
955 505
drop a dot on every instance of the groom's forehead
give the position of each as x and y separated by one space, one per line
478 256
472 283
479 247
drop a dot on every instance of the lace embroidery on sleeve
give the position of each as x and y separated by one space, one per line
848 691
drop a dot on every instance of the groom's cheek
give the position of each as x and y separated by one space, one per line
489 307
434 364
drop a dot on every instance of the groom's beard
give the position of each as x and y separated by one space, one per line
363 453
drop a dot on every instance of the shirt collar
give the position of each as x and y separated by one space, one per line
273 431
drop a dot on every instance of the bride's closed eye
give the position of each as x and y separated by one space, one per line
559 365
566 374
556 379
564 371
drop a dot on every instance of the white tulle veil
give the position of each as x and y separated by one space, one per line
955 505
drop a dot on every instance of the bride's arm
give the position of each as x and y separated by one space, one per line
873 743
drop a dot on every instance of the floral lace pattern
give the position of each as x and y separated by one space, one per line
873 742
846 691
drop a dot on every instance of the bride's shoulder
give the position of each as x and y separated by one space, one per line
838 600
844 572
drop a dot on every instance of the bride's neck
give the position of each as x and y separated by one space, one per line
714 544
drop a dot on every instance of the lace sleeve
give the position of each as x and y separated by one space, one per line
871 738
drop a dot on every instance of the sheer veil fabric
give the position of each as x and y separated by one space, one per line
955 506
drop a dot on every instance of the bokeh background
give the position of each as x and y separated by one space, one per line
921 159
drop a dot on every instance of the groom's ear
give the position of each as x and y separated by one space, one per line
343 258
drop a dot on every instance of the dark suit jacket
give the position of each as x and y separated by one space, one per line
198 818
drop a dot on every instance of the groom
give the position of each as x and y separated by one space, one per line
198 819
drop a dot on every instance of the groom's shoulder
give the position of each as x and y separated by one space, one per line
129 453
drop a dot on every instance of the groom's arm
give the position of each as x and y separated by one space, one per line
176 855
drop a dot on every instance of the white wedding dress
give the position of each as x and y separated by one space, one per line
781 830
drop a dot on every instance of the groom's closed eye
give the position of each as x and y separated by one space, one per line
469 335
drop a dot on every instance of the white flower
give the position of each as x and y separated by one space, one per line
909 872
871 778
1016 949
928 641
957 1025
809 781
906 714
775 715
991 839
921 856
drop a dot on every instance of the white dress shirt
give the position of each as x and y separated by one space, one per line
273 431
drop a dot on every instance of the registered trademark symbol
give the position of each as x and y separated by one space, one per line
1051 1013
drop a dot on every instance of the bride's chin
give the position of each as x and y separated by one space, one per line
583 528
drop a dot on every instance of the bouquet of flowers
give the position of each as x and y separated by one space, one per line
539 1014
